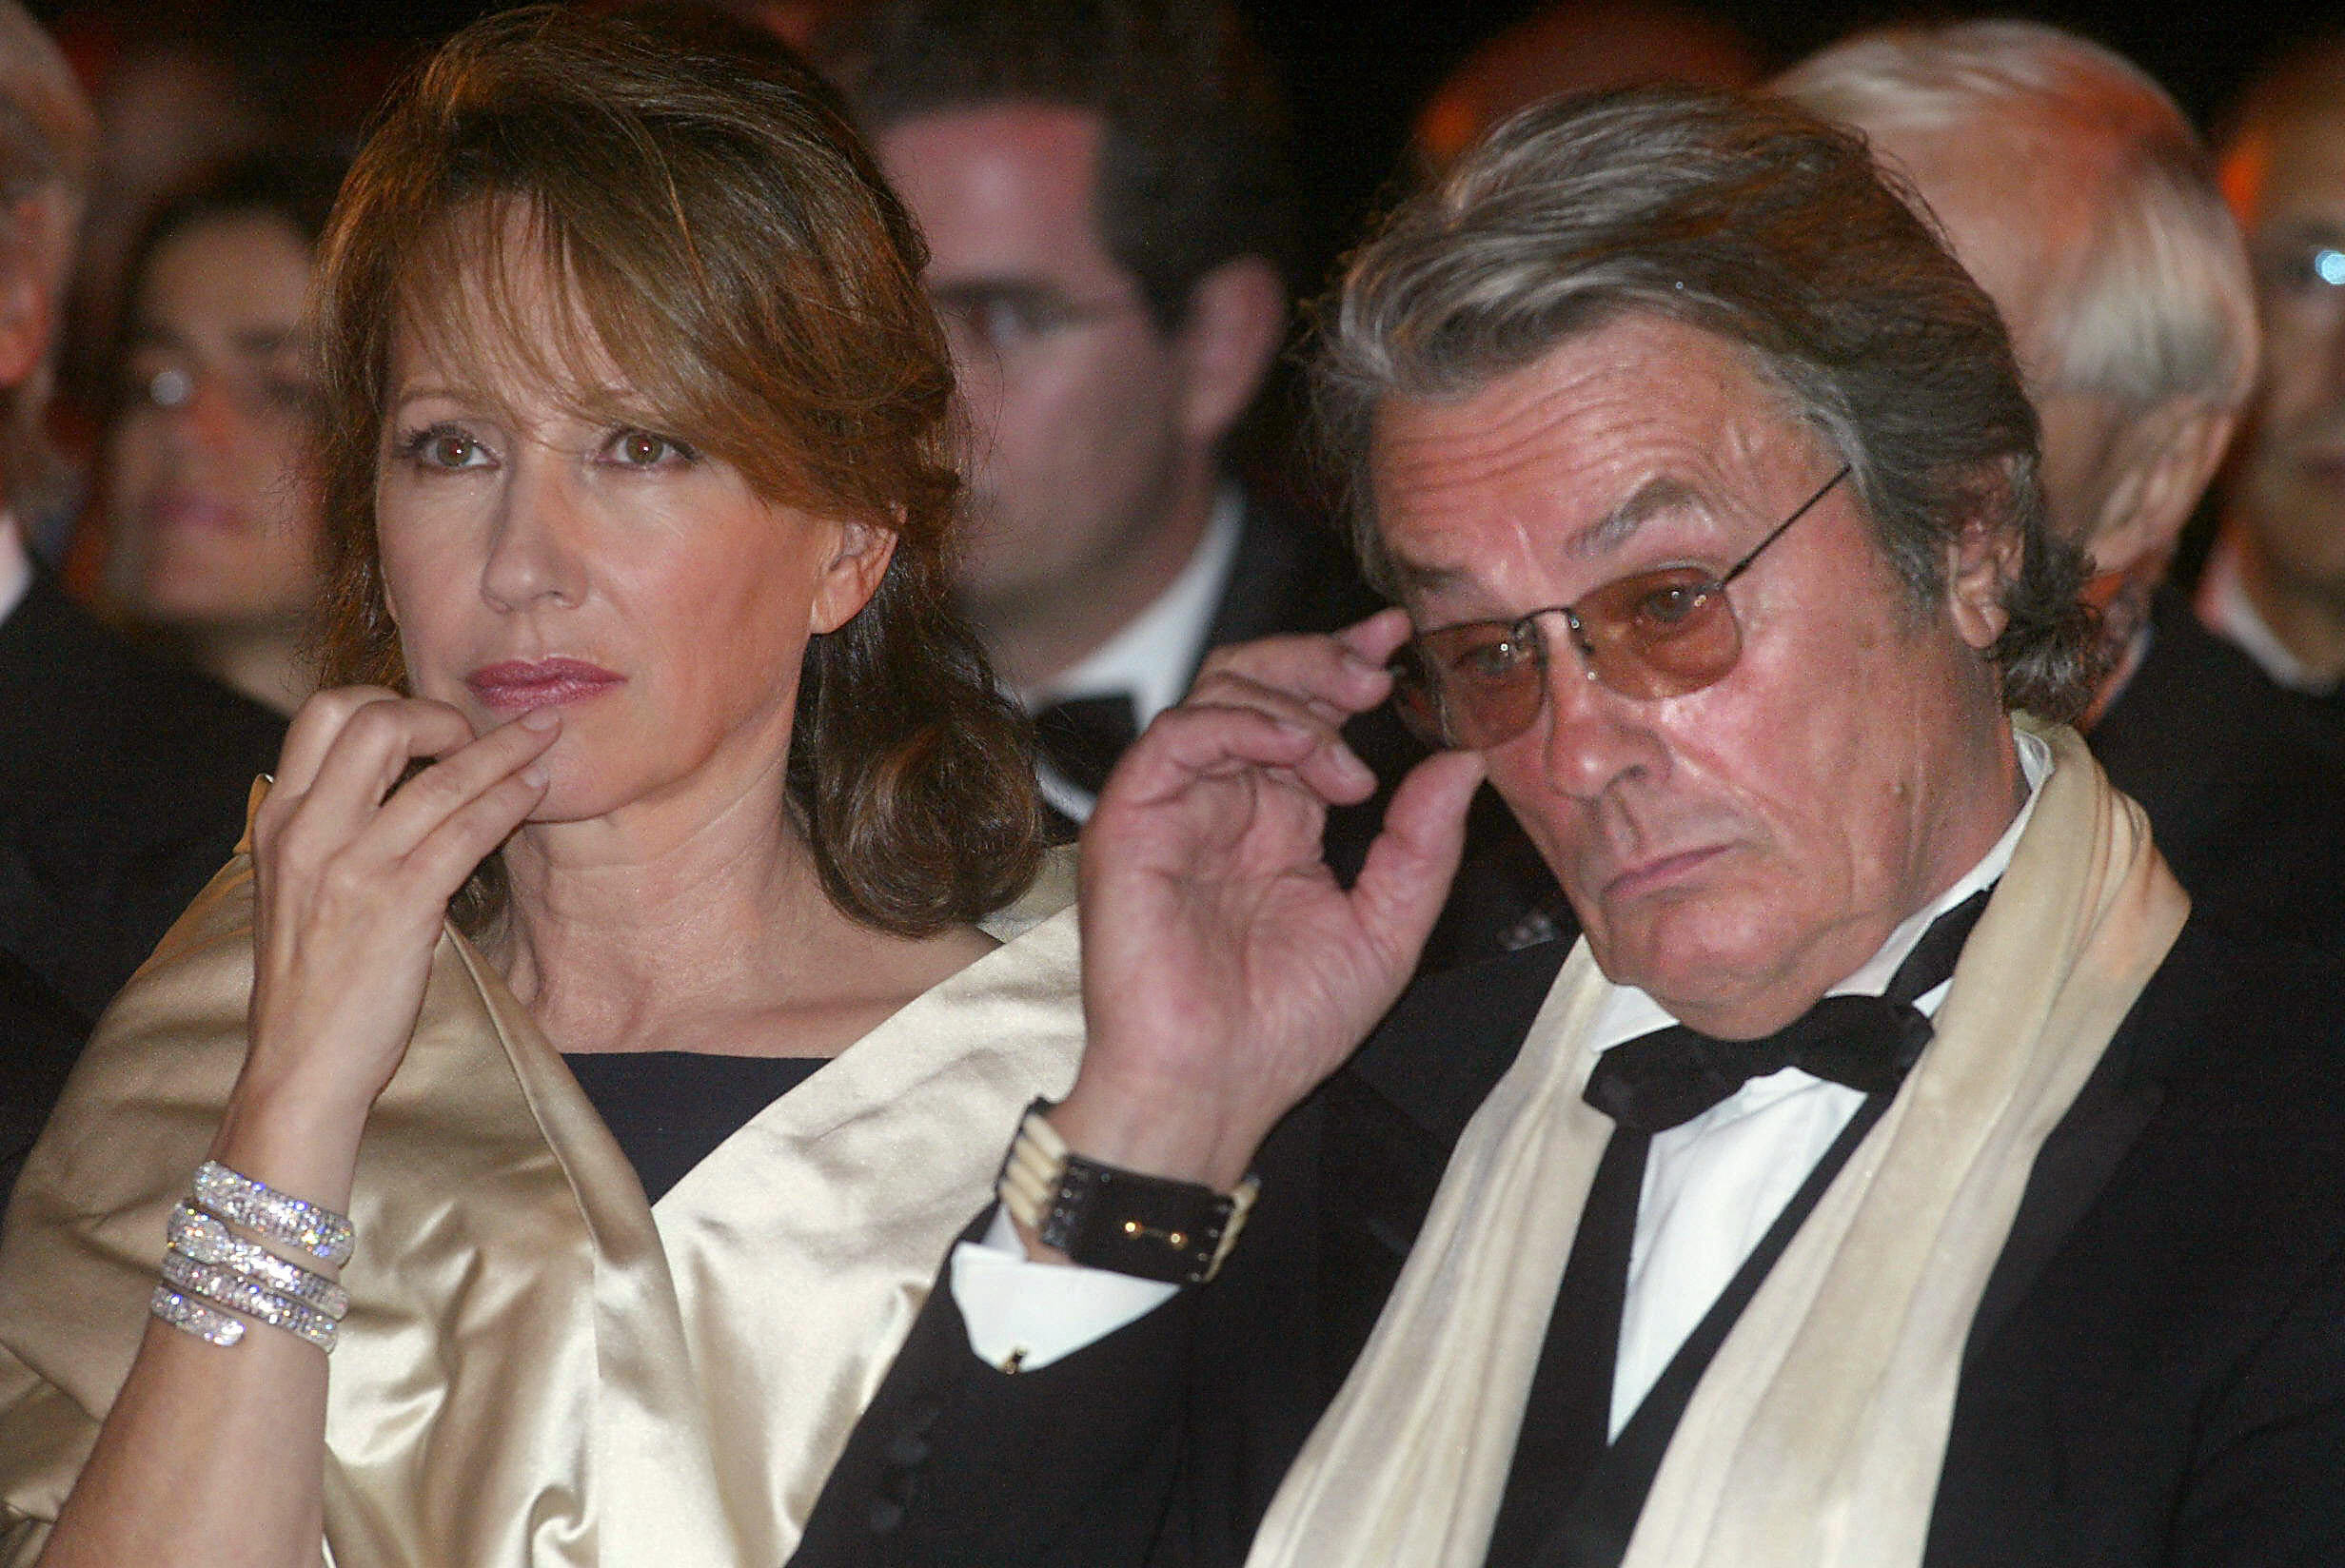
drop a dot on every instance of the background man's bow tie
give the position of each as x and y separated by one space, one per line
1082 736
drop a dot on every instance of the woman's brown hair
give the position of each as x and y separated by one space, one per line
718 233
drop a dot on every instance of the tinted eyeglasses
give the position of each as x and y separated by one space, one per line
1649 635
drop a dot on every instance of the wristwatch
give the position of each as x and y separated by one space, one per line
1148 1227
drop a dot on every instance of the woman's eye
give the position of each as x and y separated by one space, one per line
645 449
445 446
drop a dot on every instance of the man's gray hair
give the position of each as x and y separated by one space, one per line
2160 303
1747 218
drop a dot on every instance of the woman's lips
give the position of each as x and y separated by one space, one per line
517 685
194 514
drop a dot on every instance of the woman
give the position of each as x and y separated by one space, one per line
636 500
211 528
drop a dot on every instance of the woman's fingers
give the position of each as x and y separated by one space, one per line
369 748
465 837
418 808
312 732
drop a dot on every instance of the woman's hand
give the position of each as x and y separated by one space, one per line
1225 972
354 876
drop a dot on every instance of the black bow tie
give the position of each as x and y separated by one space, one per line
1668 1077
1082 736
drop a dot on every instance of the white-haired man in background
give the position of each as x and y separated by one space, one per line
2073 189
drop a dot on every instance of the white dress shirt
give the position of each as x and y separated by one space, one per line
1711 1188
15 565
1151 659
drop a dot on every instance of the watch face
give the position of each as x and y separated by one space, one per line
1141 1225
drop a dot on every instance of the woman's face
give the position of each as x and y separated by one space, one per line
536 555
214 523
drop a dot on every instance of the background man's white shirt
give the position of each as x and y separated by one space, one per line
1151 659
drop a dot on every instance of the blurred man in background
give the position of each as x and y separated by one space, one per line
2076 194
2276 584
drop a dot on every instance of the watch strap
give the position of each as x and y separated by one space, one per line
1103 1217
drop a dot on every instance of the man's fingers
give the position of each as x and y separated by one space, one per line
1203 739
1374 640
1409 868
1314 669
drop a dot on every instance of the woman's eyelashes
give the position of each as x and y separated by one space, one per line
635 447
445 446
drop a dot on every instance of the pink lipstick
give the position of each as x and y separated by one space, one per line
517 685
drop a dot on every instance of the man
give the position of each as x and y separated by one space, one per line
1105 194
2075 192
2276 583
1708 481
1105 191
121 780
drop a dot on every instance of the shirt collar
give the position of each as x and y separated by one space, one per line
1628 1012
2224 605
1152 658
15 565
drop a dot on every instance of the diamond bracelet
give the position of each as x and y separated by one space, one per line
230 1290
197 1235
208 1323
271 1215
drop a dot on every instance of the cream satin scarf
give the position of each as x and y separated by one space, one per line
1816 1438
537 1369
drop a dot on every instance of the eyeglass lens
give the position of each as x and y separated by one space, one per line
1648 636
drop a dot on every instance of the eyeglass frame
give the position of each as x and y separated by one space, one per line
1410 666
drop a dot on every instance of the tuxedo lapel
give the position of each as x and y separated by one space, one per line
2092 1139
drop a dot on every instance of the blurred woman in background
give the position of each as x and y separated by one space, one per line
211 519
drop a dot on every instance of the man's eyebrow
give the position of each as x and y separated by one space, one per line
1648 500
1419 578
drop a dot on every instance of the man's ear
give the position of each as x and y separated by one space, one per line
1237 317
858 560
27 293
2162 463
1982 564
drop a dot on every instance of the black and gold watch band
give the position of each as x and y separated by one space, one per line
1148 1227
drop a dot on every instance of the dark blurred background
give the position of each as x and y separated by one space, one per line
1357 69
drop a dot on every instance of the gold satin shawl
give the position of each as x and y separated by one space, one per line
537 1369
1816 1437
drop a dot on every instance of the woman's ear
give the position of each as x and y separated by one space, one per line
858 559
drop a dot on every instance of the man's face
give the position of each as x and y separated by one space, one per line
1738 850
1073 395
2290 486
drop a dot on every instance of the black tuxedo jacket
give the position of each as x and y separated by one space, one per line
122 789
2245 781
2156 1374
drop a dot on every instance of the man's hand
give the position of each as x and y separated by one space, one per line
1225 972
